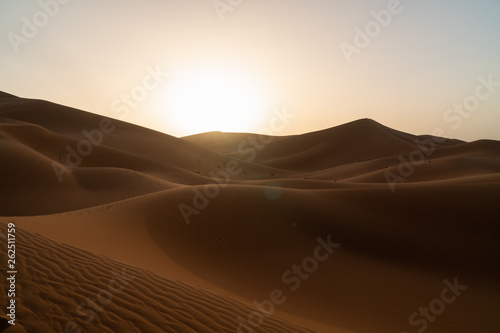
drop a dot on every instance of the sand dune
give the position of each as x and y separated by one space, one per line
311 216
247 253
122 136
361 140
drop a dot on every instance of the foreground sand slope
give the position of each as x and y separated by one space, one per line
64 289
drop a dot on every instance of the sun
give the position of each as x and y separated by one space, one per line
214 100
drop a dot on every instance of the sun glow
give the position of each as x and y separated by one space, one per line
214 100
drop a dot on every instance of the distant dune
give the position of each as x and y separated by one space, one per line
355 228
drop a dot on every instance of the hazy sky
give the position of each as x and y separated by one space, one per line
178 66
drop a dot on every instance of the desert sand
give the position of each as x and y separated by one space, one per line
139 231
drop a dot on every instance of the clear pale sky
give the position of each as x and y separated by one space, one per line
263 56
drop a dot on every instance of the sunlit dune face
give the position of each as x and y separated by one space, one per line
214 100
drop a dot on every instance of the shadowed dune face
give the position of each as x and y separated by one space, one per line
212 223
